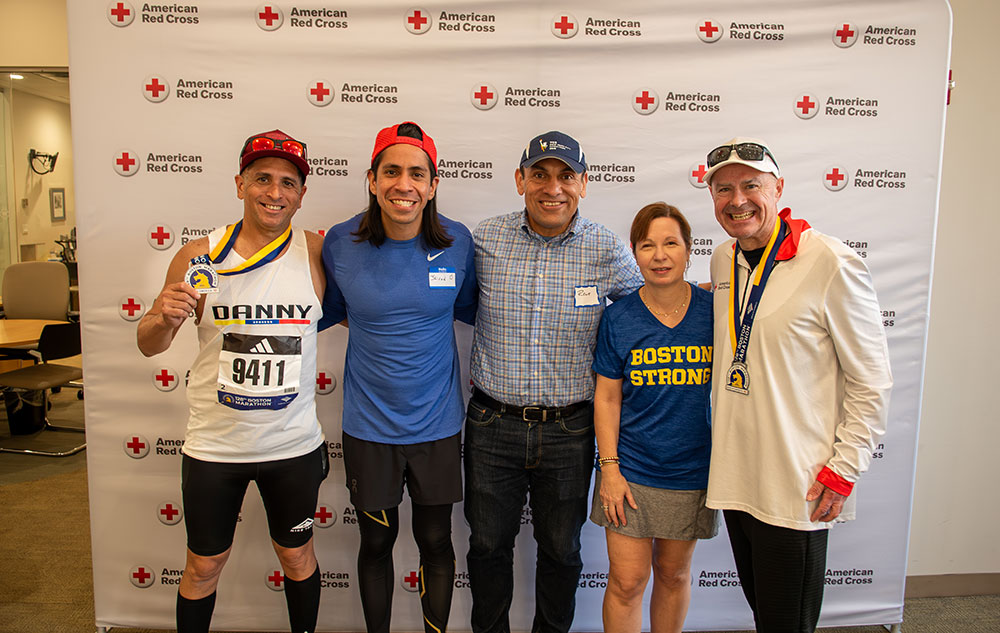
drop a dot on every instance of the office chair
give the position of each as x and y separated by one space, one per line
60 340
34 290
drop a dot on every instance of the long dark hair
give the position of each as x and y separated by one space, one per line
370 228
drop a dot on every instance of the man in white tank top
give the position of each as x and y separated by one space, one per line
255 289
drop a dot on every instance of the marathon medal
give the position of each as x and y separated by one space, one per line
738 377
202 276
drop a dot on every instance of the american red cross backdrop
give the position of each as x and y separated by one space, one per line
851 101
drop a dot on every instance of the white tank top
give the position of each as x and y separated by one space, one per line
252 386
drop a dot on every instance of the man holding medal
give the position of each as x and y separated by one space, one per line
801 386
255 290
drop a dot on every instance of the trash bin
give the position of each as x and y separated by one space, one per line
25 410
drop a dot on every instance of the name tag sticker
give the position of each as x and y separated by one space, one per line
441 277
586 296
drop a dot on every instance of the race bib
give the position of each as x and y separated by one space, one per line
259 372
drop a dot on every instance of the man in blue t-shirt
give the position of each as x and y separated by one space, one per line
400 274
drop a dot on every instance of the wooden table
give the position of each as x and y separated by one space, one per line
15 332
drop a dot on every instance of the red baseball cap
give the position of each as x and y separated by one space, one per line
277 144
390 136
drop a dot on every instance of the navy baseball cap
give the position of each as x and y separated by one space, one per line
555 145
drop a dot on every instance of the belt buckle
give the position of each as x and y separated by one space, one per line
541 410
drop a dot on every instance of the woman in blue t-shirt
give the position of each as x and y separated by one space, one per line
652 420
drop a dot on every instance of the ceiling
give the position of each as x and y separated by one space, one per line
50 84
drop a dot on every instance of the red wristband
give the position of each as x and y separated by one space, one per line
834 482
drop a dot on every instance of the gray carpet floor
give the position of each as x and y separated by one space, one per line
45 564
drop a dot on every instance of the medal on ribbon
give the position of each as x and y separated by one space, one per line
738 376
202 276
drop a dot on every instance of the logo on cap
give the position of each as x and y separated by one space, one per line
126 162
131 308
120 13
835 178
484 96
564 26
645 101
806 106
320 93
135 446
710 31
269 17
155 89
418 21
845 35
165 378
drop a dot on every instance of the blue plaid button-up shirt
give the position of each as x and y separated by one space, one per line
540 303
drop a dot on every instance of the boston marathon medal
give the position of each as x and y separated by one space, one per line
202 277
738 378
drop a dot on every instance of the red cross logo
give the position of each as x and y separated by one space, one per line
275 580
169 512
806 107
845 33
699 173
483 96
564 26
131 306
141 577
155 87
125 162
709 31
135 446
645 100
160 235
120 12
323 517
165 378
325 382
417 20
319 91
835 178
269 17
844 36
411 581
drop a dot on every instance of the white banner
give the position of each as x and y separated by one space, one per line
850 97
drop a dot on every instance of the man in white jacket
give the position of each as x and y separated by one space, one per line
801 386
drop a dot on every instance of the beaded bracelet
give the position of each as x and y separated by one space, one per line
607 460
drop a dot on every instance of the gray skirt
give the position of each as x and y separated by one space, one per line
670 514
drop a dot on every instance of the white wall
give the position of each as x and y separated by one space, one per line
33 33
955 510
44 125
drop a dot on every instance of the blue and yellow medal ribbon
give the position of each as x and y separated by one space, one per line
740 337
258 259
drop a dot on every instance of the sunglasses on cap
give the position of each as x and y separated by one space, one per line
746 151
261 143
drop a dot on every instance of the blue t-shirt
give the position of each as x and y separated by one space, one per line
665 437
401 371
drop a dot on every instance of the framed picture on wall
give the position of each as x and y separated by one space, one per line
57 203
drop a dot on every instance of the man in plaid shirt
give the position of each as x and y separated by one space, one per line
544 273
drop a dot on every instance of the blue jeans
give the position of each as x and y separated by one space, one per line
505 458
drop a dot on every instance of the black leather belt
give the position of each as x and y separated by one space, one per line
530 413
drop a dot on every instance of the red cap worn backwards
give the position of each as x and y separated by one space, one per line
277 144
390 136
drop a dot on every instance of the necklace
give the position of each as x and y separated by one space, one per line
642 295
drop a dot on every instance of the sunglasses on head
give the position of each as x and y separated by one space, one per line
746 151
259 143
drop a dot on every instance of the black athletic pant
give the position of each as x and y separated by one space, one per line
432 532
781 570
